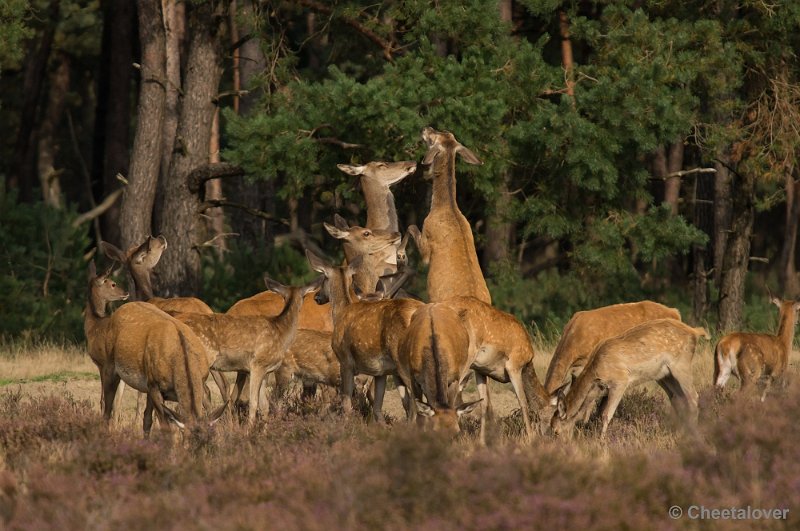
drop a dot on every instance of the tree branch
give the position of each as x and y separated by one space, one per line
99 209
684 172
216 170
212 203
384 45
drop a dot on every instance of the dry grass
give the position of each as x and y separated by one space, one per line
305 466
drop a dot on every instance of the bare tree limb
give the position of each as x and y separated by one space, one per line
684 172
212 203
99 209
337 142
197 177
382 43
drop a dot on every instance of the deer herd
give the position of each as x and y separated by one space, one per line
356 322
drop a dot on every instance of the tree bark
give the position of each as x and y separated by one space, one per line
139 195
48 148
787 274
737 256
722 214
216 216
703 220
181 224
566 55
22 171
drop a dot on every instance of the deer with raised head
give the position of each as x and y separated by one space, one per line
102 291
152 352
660 350
434 359
366 334
446 241
251 345
756 357
501 350
139 261
587 329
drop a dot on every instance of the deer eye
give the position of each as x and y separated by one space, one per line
367 234
113 284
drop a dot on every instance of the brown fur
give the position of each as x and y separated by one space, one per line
311 360
446 241
660 350
501 350
434 356
753 357
587 329
269 304
366 334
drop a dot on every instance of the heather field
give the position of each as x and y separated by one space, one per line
307 467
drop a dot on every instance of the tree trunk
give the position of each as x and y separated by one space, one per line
49 179
737 257
22 171
113 116
787 274
566 55
703 220
181 224
722 214
139 195
216 217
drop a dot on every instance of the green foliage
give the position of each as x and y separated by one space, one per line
43 285
13 31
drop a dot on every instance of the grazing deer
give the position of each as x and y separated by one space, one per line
366 334
434 356
251 345
446 241
660 350
587 329
139 261
753 357
311 360
501 350
155 354
102 291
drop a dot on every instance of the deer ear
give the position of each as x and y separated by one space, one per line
173 417
340 222
92 270
561 403
217 413
314 285
431 155
277 287
112 251
317 264
468 156
351 170
463 409
776 301
424 409
336 232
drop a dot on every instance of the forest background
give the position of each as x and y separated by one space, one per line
632 149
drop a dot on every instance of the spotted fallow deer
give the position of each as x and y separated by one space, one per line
587 329
501 350
155 354
139 261
434 358
446 241
253 345
757 358
102 291
660 350
366 334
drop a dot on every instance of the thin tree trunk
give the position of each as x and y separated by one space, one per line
788 268
737 257
216 216
672 185
139 194
113 119
48 148
566 55
722 215
703 220
180 270
22 171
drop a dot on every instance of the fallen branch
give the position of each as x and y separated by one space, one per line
684 172
99 209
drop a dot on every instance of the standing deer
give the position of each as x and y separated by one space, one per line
102 291
446 241
753 357
501 350
251 345
587 329
660 350
434 357
366 334
311 360
139 261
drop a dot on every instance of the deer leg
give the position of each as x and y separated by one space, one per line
483 392
147 422
615 392
421 242
407 394
377 406
687 394
118 403
257 376
110 384
346 371
515 375
222 383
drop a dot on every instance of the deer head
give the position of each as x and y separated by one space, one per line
439 142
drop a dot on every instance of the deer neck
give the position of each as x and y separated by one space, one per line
143 285
94 314
444 182
381 212
786 328
341 296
